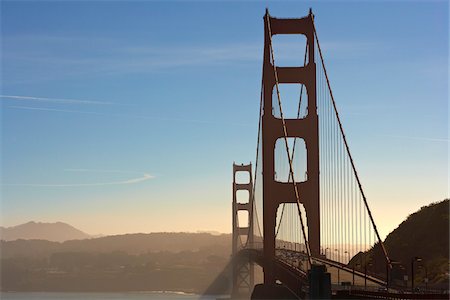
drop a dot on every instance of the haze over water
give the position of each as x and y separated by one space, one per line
104 296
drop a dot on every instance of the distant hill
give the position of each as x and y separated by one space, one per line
423 234
136 243
188 262
57 232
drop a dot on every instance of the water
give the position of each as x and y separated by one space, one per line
105 296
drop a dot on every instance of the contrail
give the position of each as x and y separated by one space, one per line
54 100
124 115
102 171
142 178
57 110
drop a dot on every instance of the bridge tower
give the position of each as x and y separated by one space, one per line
243 269
274 192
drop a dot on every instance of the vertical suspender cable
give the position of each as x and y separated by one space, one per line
348 151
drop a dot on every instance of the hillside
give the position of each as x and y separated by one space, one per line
423 234
188 262
57 232
137 243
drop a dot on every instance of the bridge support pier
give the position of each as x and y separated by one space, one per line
272 291
243 268
307 128
319 282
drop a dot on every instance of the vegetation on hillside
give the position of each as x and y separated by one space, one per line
423 235
129 243
185 262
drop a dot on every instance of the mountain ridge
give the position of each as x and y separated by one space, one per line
132 243
56 232
187 262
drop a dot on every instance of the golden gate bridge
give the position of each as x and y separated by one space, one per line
309 224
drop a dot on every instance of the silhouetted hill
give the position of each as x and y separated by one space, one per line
57 232
129 243
423 234
189 262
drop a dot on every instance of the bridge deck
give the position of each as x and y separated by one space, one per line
291 266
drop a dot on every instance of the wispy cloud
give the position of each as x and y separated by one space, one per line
44 58
141 178
290 50
418 138
102 171
57 110
49 58
126 115
53 100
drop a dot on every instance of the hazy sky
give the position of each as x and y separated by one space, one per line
126 116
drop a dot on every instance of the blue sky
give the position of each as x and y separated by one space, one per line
126 116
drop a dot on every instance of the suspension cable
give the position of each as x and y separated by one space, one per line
348 150
254 211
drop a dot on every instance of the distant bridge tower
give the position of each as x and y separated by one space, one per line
274 192
243 269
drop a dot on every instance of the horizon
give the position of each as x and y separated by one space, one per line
212 232
114 119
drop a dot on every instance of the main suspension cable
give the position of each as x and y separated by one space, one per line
254 211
